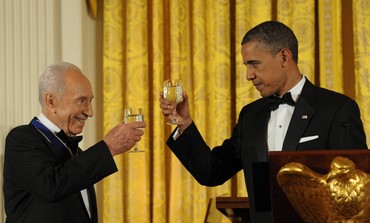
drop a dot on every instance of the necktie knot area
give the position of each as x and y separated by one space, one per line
276 101
71 142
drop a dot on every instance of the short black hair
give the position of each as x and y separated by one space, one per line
275 35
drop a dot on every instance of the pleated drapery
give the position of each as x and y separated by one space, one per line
148 41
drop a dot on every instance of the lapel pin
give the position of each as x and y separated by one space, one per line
304 116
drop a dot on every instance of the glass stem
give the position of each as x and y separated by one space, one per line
174 115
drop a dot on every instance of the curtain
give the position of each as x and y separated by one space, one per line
361 60
198 41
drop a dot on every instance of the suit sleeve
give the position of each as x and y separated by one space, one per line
30 164
348 131
209 167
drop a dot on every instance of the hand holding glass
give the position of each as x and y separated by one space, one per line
172 92
129 116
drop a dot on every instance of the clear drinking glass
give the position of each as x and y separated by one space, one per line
172 92
133 116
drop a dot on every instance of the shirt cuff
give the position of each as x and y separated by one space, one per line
177 134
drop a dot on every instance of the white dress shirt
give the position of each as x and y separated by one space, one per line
55 129
280 119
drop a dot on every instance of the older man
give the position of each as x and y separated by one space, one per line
47 178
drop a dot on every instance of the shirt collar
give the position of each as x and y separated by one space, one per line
48 124
297 89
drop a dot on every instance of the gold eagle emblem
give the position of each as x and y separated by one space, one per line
342 195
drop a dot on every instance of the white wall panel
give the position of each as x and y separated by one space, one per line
26 47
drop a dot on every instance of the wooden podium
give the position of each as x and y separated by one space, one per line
234 208
237 208
317 160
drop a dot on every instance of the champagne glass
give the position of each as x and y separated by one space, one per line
130 116
172 92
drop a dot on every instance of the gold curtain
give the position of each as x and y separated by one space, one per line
361 42
148 41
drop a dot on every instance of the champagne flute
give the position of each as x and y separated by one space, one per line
129 116
172 92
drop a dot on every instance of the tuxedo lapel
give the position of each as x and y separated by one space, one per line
56 146
302 115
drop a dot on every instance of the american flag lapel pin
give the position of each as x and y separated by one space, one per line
304 116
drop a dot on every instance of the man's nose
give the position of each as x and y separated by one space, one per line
89 110
250 75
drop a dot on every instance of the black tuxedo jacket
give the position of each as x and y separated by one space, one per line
322 119
43 184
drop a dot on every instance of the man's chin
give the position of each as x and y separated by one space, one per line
266 94
77 131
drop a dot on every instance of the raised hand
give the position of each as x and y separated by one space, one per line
123 137
182 109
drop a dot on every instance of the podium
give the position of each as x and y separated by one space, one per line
234 208
318 161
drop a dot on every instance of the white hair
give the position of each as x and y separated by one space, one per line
52 79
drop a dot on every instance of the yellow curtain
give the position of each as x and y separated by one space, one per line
300 17
361 33
331 39
148 41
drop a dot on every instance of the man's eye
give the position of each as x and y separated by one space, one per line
254 65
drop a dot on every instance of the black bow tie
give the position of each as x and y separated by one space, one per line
71 142
276 101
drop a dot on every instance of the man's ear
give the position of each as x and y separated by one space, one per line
51 102
286 56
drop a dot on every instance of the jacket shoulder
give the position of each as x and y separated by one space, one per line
23 132
22 129
331 98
